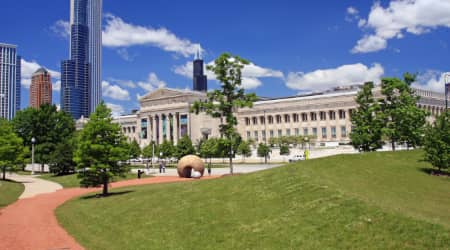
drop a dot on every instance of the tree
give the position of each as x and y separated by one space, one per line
284 150
167 149
224 102
437 142
135 150
263 151
184 147
101 147
404 121
11 148
49 127
244 149
367 132
62 158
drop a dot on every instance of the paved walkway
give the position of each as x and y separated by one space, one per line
34 186
237 169
30 223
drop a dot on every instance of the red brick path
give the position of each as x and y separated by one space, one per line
31 223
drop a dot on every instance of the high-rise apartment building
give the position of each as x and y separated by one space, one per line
40 88
10 69
199 78
81 74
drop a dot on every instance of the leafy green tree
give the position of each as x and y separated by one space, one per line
49 127
210 148
244 149
62 158
225 101
367 132
134 149
263 151
147 151
11 148
437 142
404 121
167 149
284 150
100 149
184 147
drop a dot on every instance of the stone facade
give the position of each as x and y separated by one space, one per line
324 117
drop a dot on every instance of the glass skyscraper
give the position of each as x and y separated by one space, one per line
199 78
10 69
81 78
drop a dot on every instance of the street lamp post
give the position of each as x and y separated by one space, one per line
447 88
33 141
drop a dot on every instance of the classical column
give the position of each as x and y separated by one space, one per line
153 128
175 128
161 138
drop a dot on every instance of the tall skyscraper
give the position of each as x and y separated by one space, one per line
40 88
200 80
10 69
94 19
81 77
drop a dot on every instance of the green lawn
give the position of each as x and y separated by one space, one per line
9 192
69 181
375 201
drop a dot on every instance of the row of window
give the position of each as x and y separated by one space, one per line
306 132
286 118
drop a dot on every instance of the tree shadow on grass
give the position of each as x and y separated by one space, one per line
435 172
106 196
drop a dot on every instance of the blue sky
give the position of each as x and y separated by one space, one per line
295 46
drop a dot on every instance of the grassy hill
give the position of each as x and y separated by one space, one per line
9 192
376 201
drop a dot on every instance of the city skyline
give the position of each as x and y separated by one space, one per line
294 47
10 87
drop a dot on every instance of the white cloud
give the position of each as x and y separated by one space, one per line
352 10
116 109
370 44
400 17
56 86
323 79
123 83
27 70
119 34
431 80
152 83
250 74
115 92
125 55
61 28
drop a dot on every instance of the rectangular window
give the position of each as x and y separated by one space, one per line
304 117
287 118
314 131
247 121
297 132
263 133
248 135
280 133
332 115
333 132
278 118
313 116
305 131
183 125
323 116
343 131
262 120
288 132
255 120
271 133
295 117
256 135
144 126
324 132
341 114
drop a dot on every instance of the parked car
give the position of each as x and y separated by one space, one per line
297 158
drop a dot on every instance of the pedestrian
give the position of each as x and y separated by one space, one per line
164 166
160 167
139 173
209 169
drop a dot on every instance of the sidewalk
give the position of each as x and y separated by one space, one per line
33 185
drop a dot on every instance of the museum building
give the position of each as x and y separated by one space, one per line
325 117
